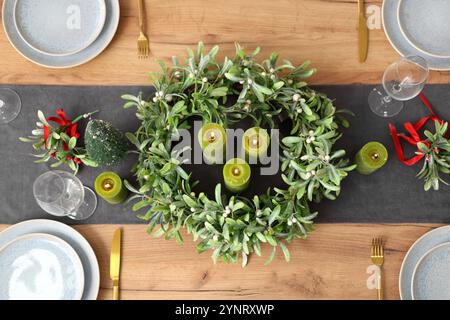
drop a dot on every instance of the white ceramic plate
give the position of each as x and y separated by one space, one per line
425 243
67 61
400 43
40 266
72 237
431 277
426 25
60 27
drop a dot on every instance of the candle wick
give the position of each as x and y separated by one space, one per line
255 142
212 137
236 171
375 156
108 185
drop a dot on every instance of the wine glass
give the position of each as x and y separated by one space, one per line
402 80
60 193
10 105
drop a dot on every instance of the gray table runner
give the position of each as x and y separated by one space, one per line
392 194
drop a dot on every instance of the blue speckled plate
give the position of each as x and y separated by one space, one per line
431 277
424 244
60 27
40 267
65 61
399 42
71 236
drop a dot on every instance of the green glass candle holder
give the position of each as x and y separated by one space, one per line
256 143
236 175
110 187
212 139
371 157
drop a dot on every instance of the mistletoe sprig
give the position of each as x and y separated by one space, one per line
235 227
59 141
436 151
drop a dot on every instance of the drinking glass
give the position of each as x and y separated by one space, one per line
60 193
402 80
10 105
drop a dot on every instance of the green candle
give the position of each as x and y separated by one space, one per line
212 139
255 142
236 175
109 186
371 157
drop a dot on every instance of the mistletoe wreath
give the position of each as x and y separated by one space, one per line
235 226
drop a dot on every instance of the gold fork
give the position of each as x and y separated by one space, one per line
377 255
143 47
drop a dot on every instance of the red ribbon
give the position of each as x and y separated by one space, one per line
70 130
414 137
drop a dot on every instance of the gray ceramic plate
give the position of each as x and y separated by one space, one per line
426 25
431 277
425 243
72 237
40 266
400 43
51 61
59 27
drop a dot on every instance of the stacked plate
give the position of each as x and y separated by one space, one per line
46 260
63 33
417 27
425 271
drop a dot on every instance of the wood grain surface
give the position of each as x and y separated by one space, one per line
323 31
331 264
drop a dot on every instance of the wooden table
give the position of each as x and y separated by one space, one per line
332 263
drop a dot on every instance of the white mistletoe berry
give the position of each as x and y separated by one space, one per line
263 74
205 79
249 81
305 157
258 212
299 110
294 220
296 97
327 158
290 81
192 210
308 140
216 237
313 172
289 223
272 70
311 132
155 99
169 98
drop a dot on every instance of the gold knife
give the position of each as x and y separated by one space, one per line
363 32
115 262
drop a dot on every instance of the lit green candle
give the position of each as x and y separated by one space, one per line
371 157
255 142
212 139
236 175
109 186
